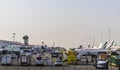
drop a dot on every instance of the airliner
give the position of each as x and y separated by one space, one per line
94 51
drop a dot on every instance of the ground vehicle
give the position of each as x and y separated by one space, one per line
25 59
58 63
102 64
47 62
71 57
39 59
57 58
13 56
6 60
114 58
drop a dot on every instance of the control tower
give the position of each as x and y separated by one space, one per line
26 39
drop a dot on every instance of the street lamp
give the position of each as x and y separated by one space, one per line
53 44
14 36
109 34
101 37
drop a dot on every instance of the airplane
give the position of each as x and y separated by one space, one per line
94 51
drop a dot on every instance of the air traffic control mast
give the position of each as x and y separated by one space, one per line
26 39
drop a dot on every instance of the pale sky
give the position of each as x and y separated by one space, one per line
68 23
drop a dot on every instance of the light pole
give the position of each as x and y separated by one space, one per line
101 37
14 36
89 43
109 34
93 41
53 44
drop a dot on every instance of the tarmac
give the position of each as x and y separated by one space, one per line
68 67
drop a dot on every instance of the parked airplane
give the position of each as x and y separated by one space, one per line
95 51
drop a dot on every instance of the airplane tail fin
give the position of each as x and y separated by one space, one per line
110 44
105 45
100 46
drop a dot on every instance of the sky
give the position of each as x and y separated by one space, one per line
68 23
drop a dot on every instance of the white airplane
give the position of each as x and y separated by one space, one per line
101 48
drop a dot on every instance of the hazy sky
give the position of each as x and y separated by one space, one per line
68 23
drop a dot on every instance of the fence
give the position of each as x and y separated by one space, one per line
83 66
16 66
